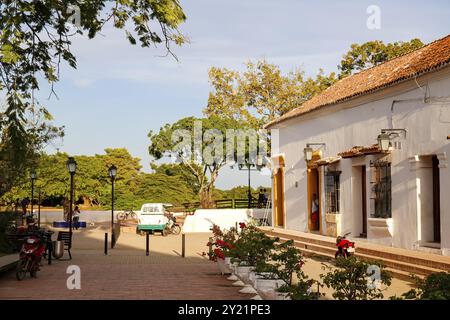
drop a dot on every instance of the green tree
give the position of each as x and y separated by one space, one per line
435 286
36 36
351 280
178 170
363 56
261 93
91 179
205 171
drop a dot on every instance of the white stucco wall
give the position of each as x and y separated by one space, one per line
358 123
203 219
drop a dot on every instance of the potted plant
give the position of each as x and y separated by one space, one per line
355 279
435 286
287 260
302 290
251 248
219 248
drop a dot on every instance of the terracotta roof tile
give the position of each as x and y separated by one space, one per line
428 58
360 151
327 161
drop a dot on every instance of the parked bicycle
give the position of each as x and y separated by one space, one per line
126 215
173 227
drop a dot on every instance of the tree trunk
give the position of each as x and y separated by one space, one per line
206 201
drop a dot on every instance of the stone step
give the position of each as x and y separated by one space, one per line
399 274
405 269
362 248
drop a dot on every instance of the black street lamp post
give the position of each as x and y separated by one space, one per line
39 208
32 177
71 165
251 166
112 171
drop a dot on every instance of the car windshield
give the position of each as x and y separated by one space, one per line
151 209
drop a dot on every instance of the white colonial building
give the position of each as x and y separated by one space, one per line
397 196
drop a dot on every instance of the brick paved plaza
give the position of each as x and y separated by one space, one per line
127 273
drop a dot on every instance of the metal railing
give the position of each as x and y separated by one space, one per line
241 203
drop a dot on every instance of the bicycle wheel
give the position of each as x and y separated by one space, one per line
134 215
121 216
176 230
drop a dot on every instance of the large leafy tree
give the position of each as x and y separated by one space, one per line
36 36
262 92
363 56
205 171
92 184
180 171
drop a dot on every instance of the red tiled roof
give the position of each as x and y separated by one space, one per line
360 151
428 58
327 161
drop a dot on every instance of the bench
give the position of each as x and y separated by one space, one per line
16 240
66 238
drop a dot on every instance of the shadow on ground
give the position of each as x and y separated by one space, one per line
126 272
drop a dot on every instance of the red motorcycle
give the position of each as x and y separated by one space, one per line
30 255
345 248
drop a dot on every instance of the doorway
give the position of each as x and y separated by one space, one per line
314 206
359 192
363 202
278 195
436 200
429 201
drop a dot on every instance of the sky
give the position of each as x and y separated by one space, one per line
119 92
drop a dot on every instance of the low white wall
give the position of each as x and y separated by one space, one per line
88 216
203 219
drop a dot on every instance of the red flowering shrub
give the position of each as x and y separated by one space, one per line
222 243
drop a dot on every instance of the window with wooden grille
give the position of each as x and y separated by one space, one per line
381 190
332 191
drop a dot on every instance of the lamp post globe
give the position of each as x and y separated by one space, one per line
112 171
33 175
71 165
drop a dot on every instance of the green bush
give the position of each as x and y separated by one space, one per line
434 287
356 279
288 260
253 247
6 220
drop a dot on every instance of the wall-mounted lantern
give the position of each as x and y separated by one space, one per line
384 139
308 151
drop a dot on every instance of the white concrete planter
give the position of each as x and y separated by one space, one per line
223 268
228 262
233 266
251 278
243 272
265 285
282 296
255 276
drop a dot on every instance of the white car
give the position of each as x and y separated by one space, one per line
153 217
